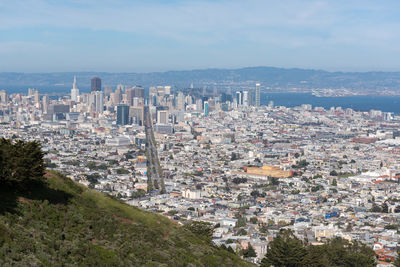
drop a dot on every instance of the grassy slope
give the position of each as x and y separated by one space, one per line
67 224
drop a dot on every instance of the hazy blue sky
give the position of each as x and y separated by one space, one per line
150 35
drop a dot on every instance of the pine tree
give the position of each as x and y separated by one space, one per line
316 257
5 147
22 163
341 252
249 252
285 250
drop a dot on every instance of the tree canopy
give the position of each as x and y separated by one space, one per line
286 250
21 163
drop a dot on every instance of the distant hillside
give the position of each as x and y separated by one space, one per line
268 76
61 223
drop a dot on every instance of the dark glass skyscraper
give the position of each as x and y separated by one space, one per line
122 115
96 84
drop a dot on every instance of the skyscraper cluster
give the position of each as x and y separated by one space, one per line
248 98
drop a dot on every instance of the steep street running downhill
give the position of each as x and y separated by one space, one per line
155 183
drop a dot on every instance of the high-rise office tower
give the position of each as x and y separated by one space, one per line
239 100
180 101
251 97
99 102
245 98
129 96
199 104
36 97
122 114
74 91
3 97
257 95
138 92
205 108
45 103
117 96
96 84
162 116
91 102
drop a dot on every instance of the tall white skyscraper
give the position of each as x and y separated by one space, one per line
74 91
3 97
245 98
36 97
45 103
199 104
257 94
99 101
180 101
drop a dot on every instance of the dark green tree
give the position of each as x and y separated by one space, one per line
253 220
203 229
333 173
22 163
241 222
249 252
315 257
340 252
385 208
274 181
5 168
396 263
376 208
230 249
286 250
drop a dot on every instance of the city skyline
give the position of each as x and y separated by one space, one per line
41 36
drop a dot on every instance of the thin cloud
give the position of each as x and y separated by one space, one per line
206 28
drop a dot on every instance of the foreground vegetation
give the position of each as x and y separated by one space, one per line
53 221
288 250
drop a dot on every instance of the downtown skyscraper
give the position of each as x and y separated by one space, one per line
257 104
74 91
96 84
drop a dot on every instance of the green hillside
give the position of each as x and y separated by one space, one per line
61 223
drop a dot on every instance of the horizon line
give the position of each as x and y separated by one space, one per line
204 69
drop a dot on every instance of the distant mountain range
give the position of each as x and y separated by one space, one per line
269 77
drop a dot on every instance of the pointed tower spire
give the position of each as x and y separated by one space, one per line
74 91
74 84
